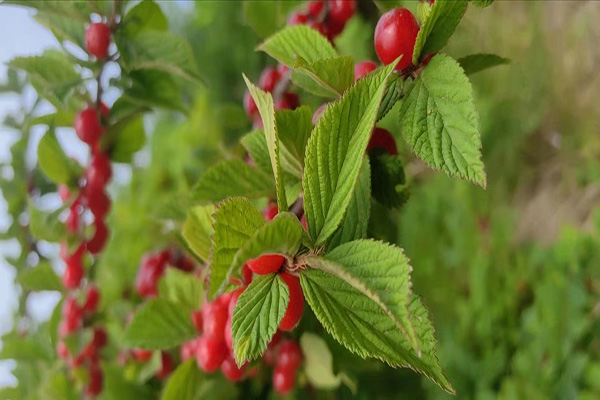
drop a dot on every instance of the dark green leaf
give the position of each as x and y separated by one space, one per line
40 277
388 182
294 128
54 162
479 62
328 77
125 138
184 383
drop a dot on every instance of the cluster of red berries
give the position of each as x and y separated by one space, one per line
327 17
153 266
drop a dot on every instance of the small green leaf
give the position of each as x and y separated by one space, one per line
256 316
439 26
264 103
24 348
182 288
388 181
117 386
392 94
145 16
56 119
57 386
265 17
235 221
482 3
125 138
241 178
297 41
318 362
328 77
63 28
40 277
439 120
46 226
479 62
294 128
184 383
197 230
160 324
335 151
153 88
255 144
78 10
54 162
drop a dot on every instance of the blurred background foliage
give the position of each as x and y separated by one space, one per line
511 275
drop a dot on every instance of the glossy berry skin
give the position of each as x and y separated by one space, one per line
289 355
296 304
395 36
99 203
151 269
97 39
214 319
283 380
297 18
99 172
289 101
250 105
231 371
197 320
71 315
382 138
94 386
270 355
341 10
210 353
98 241
364 68
91 301
315 8
73 274
270 211
332 28
229 333
246 274
141 355
100 338
87 126
268 79
266 264
167 365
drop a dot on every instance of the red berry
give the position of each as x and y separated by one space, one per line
72 221
297 18
99 203
188 350
315 8
270 211
97 39
303 222
94 386
96 244
87 126
100 338
246 274
364 68
395 36
141 355
71 316
99 172
73 274
296 304
289 101
317 26
268 79
290 355
210 353
214 320
62 350
283 380
235 295
270 355
381 138
332 28
229 333
250 106
231 371
341 10
64 193
151 269
92 299
167 365
197 320
266 264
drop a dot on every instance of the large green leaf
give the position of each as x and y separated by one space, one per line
439 120
160 324
145 16
184 383
255 144
78 10
318 364
257 314
297 41
265 17
63 28
40 277
388 182
335 151
478 62
117 386
364 328
235 221
328 77
266 108
294 128
54 162
439 26
183 288
197 230
57 386
124 138
153 88
232 177
46 226
378 270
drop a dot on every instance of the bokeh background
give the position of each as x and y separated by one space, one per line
511 274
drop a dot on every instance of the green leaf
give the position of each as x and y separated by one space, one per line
482 3
145 16
318 362
160 324
57 119
439 26
328 77
439 120
235 221
294 128
184 383
359 324
24 348
153 88
378 270
117 386
63 28
125 138
388 182
256 316
297 40
46 226
57 386
392 94
356 220
79 10
265 17
40 277
264 103
54 162
478 62
255 144
183 288
162 51
282 235
334 154
241 180
197 230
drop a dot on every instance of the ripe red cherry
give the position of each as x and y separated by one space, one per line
246 274
87 126
297 18
71 314
317 26
289 101
167 365
151 269
100 338
99 172
303 222
92 299
197 320
315 7
231 371
229 333
188 350
296 304
210 353
381 138
99 203
250 105
98 241
364 68
235 295
97 39
290 355
94 386
270 211
332 28
341 10
73 274
270 355
395 36
268 79
283 380
141 355
266 264
214 319
72 221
